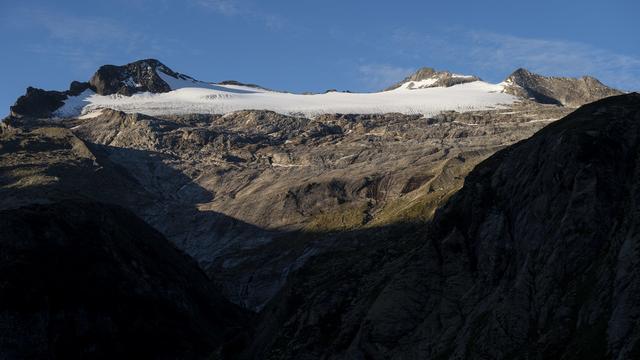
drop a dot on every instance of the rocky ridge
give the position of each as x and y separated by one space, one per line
145 76
563 91
437 79
139 76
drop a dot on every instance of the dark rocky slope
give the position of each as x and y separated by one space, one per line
41 103
91 281
536 257
138 76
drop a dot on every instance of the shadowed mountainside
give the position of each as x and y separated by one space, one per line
87 280
536 257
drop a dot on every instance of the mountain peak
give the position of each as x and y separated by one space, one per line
427 77
566 91
134 77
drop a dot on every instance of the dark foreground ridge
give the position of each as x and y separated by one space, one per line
536 257
85 280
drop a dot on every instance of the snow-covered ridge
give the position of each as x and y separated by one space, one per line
193 96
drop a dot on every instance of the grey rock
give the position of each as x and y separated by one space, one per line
443 78
134 77
38 103
557 90
77 87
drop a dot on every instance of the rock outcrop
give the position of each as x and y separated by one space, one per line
38 103
439 79
564 91
534 258
138 76
88 280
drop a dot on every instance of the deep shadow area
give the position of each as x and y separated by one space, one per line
535 257
87 280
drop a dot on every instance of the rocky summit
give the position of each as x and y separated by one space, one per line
444 218
557 90
429 77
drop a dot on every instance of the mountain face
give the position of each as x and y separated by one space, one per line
534 258
246 193
42 103
139 76
428 77
87 280
318 213
564 91
427 92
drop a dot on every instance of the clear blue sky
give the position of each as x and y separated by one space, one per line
304 45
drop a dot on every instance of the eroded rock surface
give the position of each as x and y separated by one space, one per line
246 193
536 257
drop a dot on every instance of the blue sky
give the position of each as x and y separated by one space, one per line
307 45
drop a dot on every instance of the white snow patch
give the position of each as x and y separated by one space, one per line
541 120
74 105
192 96
418 84
129 82
91 114
461 76
176 84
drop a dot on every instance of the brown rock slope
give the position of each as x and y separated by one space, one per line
536 257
